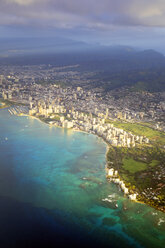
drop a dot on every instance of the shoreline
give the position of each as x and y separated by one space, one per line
107 150
75 130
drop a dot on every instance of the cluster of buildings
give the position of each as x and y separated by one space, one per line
49 82
128 103
87 108
112 175
93 123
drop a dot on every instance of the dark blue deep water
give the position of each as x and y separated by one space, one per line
52 186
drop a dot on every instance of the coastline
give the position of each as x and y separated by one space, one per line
76 130
106 156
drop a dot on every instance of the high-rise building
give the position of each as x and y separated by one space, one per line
1 79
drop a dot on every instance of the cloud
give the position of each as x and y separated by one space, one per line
86 14
21 2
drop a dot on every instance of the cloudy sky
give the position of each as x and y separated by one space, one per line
132 22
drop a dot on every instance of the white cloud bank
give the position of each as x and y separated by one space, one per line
86 14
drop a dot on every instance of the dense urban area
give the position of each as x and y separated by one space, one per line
132 123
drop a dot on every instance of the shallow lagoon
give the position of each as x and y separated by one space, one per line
52 186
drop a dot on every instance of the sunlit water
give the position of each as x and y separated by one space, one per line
52 186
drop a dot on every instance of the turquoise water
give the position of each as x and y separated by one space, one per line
58 176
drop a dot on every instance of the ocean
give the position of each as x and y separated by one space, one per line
54 192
